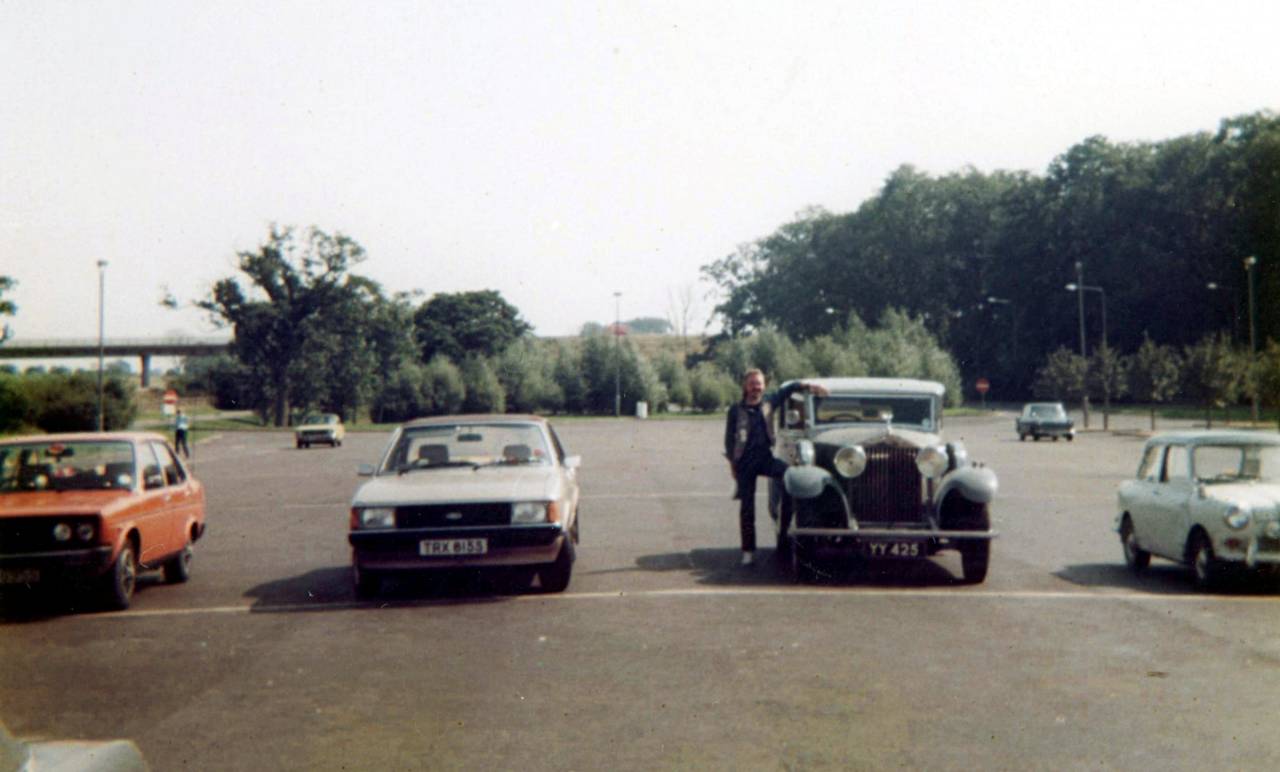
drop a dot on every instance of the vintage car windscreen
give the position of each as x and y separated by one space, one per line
896 409
1228 463
452 445
65 466
320 420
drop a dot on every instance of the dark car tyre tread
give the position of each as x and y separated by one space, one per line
367 583
121 580
555 576
1134 556
1206 571
178 568
802 568
975 554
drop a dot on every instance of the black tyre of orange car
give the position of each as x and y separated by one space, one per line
555 575
178 568
1135 557
121 579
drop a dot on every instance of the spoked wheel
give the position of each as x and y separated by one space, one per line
1134 556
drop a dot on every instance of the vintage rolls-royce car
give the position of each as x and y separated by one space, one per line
1207 498
97 509
1044 419
471 491
872 476
320 428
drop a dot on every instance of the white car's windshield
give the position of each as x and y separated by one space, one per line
446 445
1046 411
1226 463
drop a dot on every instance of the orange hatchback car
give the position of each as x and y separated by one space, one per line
95 509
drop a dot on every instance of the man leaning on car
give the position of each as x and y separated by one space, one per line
748 445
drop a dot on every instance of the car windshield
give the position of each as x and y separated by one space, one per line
897 409
320 420
470 444
1046 411
65 466
1227 463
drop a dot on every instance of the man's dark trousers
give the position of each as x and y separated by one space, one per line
747 470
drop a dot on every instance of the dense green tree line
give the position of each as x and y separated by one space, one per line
1162 228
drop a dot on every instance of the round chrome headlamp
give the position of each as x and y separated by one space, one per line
931 461
805 452
84 531
62 532
850 461
1237 516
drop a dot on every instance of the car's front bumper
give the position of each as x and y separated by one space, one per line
60 566
399 548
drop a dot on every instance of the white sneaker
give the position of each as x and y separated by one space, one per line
748 558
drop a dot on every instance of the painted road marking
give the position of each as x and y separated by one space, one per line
828 594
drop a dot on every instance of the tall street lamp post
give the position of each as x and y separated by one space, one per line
102 283
1013 344
617 354
1080 289
1250 263
1084 354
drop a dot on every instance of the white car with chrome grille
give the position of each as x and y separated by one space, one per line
469 491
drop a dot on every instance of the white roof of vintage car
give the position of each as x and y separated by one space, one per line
879 385
1218 437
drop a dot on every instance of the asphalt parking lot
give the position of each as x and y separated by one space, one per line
664 652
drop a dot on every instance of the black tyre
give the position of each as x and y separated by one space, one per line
1055 438
1035 437
975 554
120 581
803 570
301 444
178 568
1206 571
1135 557
555 576
367 583
1022 438
783 542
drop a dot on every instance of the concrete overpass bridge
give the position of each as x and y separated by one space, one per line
143 348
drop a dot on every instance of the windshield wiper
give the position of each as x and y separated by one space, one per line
445 465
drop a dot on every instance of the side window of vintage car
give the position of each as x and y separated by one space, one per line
1177 464
1149 469
173 474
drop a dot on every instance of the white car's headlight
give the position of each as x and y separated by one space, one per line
1237 516
850 461
375 517
529 512
931 461
805 453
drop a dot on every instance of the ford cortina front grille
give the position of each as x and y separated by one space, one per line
453 515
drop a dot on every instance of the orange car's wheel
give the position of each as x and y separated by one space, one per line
178 568
120 581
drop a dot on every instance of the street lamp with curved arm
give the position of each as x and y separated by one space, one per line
1073 287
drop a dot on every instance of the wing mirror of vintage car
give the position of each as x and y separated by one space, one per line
793 417
365 470
572 462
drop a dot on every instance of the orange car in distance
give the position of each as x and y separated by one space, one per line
93 510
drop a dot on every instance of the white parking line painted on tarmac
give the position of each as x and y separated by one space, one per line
825 593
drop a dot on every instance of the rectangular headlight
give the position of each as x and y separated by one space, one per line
374 517
529 512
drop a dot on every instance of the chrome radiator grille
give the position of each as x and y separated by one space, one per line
891 488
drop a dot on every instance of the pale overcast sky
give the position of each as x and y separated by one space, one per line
554 151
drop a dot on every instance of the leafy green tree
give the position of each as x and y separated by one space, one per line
830 358
15 404
675 378
400 396
68 402
1062 377
526 371
1108 376
7 307
390 337
443 389
712 388
1267 377
463 323
484 392
1154 374
568 375
1212 373
295 285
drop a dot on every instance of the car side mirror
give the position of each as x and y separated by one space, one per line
153 480
793 417
365 470
572 462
